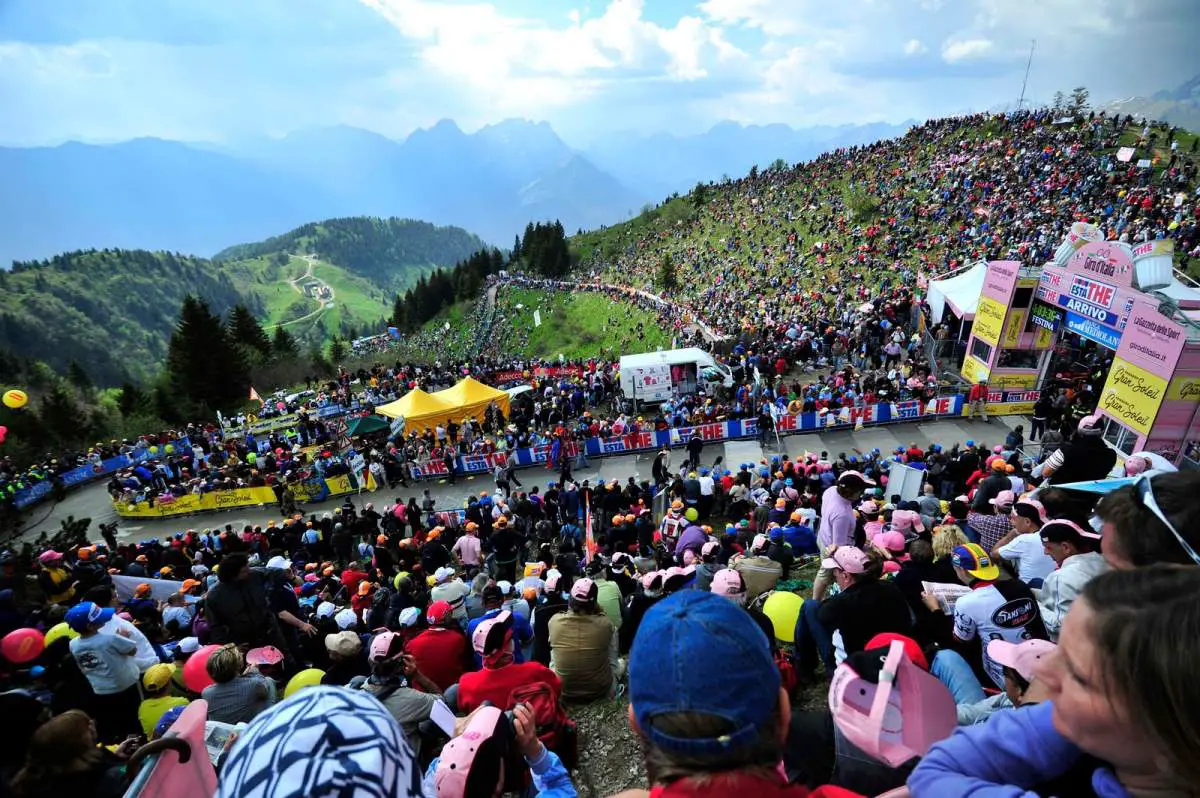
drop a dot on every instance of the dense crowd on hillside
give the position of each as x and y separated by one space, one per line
786 252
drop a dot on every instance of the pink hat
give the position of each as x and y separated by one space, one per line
1136 465
896 717
49 556
382 646
997 449
1022 657
728 582
906 520
850 559
759 543
584 590
711 547
267 655
492 634
1041 509
454 766
553 577
869 507
848 476
1004 498
892 541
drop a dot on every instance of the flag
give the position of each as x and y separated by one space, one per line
590 547
254 397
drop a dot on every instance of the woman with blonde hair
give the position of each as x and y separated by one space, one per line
945 538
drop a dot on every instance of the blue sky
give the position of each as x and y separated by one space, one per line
223 70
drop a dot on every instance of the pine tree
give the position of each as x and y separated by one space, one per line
337 350
245 331
516 250
283 345
205 367
79 378
60 414
666 278
131 401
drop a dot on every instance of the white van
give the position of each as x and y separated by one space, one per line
650 377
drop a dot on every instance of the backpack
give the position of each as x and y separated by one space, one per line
556 731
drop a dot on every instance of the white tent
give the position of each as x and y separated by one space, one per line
960 293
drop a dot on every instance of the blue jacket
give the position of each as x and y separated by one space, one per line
1004 758
550 778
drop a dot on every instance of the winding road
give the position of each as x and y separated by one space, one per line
322 305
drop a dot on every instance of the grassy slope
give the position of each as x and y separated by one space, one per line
576 325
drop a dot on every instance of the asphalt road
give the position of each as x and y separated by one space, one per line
92 501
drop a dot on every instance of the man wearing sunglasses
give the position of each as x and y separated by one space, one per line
1156 520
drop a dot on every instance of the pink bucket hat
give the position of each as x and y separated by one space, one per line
1022 657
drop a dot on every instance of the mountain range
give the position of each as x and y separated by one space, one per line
169 195
1179 106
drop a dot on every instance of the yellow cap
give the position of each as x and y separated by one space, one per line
157 677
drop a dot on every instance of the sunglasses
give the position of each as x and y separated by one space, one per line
1144 491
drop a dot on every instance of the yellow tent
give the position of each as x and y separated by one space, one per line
471 398
419 409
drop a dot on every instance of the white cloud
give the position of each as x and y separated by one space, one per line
774 18
966 49
915 47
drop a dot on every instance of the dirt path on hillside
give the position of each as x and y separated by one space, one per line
322 305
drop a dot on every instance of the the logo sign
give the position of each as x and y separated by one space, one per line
1089 329
1015 614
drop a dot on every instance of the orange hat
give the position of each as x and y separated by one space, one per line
502 521
364 587
188 584
381 540
434 533
677 505
629 519
141 558
142 590
472 526
310 566
86 553
328 570
530 594
618 519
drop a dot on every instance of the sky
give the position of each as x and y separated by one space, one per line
226 70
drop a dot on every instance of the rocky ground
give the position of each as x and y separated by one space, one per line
609 752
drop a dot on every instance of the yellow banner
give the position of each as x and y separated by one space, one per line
193 503
1184 389
1010 409
1132 395
1027 282
1013 328
989 320
1013 382
973 369
1042 338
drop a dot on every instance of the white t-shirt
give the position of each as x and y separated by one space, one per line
1028 554
989 614
706 486
107 662
146 655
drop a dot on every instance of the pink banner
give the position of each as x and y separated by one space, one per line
1104 260
1151 341
1001 279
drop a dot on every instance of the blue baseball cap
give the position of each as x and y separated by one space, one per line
681 660
85 614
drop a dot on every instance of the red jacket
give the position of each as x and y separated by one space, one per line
978 391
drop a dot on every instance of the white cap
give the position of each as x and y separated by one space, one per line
326 609
189 645
442 574
409 616
279 563
346 619
505 587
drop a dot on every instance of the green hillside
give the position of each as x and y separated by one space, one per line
110 311
386 252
